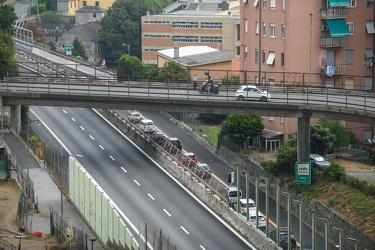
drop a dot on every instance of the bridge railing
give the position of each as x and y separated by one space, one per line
110 87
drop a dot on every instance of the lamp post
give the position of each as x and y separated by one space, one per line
311 15
339 230
313 226
62 158
92 242
355 243
124 44
326 232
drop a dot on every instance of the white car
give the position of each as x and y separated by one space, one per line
250 92
253 218
146 126
252 205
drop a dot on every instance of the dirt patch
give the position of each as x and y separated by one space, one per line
354 166
9 224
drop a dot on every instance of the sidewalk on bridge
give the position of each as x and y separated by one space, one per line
46 190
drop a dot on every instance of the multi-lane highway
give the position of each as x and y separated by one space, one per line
140 188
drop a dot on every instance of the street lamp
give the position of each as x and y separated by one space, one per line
62 158
124 44
311 15
92 242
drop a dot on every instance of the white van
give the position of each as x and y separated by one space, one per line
146 126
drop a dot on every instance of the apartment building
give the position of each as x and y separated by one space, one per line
327 43
69 7
213 23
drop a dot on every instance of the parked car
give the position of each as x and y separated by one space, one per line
203 170
134 117
284 238
231 195
252 93
147 126
319 161
173 141
158 137
188 158
252 205
253 218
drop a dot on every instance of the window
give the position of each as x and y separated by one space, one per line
94 15
212 26
369 55
238 51
185 25
157 36
370 3
246 26
264 4
71 5
271 118
271 58
256 3
349 56
256 56
370 27
185 39
273 5
282 119
352 3
157 22
211 39
351 27
272 30
264 29
256 80
97 3
75 4
283 5
84 3
256 28
238 31
263 56
271 82
282 60
282 31
245 54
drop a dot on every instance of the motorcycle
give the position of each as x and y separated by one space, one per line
214 89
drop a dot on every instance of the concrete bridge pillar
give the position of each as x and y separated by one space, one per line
303 138
15 118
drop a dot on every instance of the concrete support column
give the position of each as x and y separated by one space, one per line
15 118
303 138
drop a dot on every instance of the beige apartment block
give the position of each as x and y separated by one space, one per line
326 43
69 7
213 23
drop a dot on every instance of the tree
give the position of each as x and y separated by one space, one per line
8 62
50 17
129 67
174 72
238 128
342 138
78 49
122 25
321 139
7 17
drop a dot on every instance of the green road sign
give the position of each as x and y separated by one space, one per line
68 50
303 172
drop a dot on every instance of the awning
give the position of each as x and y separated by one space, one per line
339 3
370 27
267 133
271 58
256 3
338 27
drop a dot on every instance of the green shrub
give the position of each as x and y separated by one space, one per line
332 202
334 173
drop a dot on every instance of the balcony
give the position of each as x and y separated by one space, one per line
336 70
333 41
333 13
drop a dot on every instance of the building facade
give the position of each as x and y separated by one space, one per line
69 7
213 23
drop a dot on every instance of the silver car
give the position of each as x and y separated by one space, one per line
253 218
319 161
250 92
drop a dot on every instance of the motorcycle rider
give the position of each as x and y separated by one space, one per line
209 80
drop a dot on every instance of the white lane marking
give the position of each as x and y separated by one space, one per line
202 247
65 111
100 146
186 231
110 156
151 197
92 137
123 169
167 212
73 119
82 127
137 182
178 183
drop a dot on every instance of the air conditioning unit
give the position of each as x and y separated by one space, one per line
323 27
369 64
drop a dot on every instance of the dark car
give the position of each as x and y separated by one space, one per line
319 162
173 141
284 238
158 137
203 170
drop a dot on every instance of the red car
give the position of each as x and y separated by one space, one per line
188 158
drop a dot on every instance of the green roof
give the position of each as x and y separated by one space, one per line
338 27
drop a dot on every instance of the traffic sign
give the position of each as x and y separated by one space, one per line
68 50
303 172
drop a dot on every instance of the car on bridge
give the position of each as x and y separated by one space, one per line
284 238
253 218
203 170
250 92
189 159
